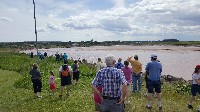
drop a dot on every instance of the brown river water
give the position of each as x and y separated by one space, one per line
178 61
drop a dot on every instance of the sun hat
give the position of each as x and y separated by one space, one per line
153 56
198 67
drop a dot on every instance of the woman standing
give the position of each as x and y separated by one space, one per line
195 86
36 80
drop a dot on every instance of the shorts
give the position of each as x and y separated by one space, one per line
52 86
195 89
154 84
66 80
76 75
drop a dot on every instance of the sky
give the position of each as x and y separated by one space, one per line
100 20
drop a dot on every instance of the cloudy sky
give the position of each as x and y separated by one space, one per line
100 20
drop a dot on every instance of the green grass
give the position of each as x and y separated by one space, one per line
80 99
17 92
20 99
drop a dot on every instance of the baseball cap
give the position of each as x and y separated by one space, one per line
154 56
198 66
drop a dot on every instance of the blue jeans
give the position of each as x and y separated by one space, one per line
136 79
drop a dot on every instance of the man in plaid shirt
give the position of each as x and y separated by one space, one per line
114 86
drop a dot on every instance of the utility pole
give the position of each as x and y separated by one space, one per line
35 30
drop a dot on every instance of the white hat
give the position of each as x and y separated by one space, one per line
153 56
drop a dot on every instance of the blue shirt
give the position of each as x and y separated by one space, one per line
119 65
65 56
111 80
154 68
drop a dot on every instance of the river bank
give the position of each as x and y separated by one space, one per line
178 61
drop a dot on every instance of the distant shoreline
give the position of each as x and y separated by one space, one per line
143 47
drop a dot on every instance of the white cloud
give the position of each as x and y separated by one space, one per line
125 19
119 3
5 19
53 27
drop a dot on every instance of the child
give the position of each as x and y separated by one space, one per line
195 86
52 83
97 99
128 76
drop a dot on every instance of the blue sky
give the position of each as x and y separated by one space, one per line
100 20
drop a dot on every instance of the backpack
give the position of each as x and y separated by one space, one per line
65 70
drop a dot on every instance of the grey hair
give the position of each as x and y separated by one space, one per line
109 59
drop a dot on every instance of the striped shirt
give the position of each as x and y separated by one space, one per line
111 80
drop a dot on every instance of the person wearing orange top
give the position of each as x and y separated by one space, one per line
136 73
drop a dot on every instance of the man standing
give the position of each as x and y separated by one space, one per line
154 69
65 73
137 71
114 86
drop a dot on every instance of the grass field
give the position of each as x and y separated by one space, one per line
80 99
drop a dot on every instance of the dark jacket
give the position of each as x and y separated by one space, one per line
35 74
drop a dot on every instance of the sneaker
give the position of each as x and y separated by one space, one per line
160 108
190 106
127 102
60 96
145 94
39 96
148 107
155 95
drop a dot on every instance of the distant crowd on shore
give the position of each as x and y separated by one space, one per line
114 81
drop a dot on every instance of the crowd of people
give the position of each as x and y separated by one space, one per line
65 74
114 82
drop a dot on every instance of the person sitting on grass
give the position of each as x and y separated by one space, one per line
195 88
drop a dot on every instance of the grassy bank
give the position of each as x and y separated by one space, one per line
17 93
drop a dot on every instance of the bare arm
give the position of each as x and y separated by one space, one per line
124 92
198 81
94 88
129 58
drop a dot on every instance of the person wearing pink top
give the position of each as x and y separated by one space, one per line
51 82
97 99
128 76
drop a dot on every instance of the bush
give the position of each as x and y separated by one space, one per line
183 88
